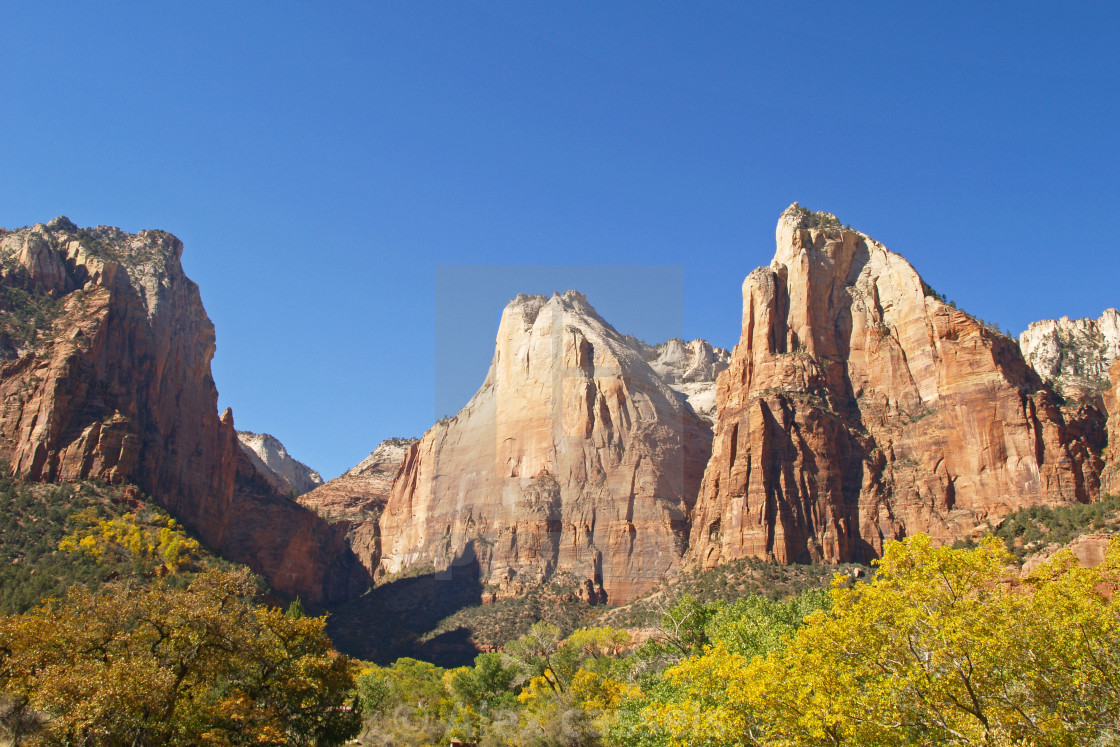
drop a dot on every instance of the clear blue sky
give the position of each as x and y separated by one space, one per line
322 160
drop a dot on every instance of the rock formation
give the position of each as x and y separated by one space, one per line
364 488
269 456
1074 355
1089 550
1110 480
690 368
358 496
858 407
573 458
111 381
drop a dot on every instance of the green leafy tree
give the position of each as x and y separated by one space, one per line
535 651
404 704
755 626
489 684
295 610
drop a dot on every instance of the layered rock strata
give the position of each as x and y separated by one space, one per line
1111 477
114 384
573 458
270 456
357 497
860 408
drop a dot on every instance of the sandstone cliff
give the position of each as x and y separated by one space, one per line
1074 355
690 368
573 458
357 497
1111 477
269 456
111 380
859 408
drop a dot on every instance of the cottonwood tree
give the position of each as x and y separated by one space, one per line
943 647
152 665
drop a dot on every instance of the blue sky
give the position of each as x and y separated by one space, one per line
321 161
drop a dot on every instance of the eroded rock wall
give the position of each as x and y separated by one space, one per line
574 457
859 408
117 387
357 497
1111 477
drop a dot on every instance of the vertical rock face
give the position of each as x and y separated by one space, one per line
358 496
1074 355
573 458
293 475
1111 478
116 386
858 408
119 385
690 368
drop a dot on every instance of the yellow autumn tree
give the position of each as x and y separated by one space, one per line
148 537
950 646
577 680
153 665
943 647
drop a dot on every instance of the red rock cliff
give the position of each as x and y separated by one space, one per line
1111 477
859 408
117 387
357 497
574 457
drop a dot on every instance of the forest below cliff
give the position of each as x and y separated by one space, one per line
941 646
144 638
653 577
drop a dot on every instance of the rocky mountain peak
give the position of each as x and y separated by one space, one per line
690 368
59 258
859 407
525 308
384 459
796 219
1074 355
62 223
108 377
573 457
294 476
796 216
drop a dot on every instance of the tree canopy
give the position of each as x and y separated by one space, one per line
153 665
943 647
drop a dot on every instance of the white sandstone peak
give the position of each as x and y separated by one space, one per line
272 455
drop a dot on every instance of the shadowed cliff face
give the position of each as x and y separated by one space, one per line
857 408
358 496
117 387
574 456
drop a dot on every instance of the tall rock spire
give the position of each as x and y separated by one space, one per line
859 407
